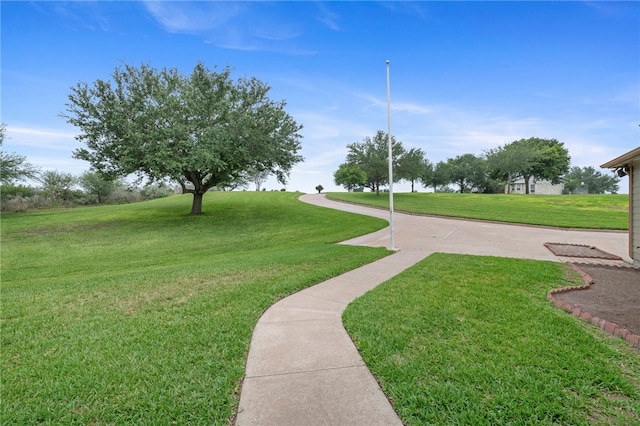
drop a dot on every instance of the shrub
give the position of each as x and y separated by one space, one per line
16 204
151 192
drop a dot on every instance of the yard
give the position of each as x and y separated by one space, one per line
569 211
141 314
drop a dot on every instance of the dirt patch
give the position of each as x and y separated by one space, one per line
577 250
614 295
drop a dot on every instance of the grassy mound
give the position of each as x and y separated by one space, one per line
142 314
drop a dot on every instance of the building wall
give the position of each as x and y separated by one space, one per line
542 187
634 220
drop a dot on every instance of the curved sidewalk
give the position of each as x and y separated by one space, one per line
302 367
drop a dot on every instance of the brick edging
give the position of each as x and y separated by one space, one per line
606 326
607 256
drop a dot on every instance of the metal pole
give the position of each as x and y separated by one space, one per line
390 159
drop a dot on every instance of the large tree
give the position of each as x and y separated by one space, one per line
468 172
14 167
203 130
508 163
436 175
412 165
545 159
591 181
372 156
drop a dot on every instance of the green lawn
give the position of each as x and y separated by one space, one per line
467 340
567 211
141 314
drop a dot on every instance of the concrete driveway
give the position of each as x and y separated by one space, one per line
302 367
431 234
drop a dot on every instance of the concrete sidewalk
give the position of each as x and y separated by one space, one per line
303 369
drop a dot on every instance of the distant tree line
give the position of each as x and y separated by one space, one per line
56 189
60 189
367 166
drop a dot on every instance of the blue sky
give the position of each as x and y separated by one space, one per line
465 76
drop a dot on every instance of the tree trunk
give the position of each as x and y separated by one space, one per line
196 207
526 184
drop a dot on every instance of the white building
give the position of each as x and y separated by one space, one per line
542 187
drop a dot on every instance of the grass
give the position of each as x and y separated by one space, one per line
565 211
466 340
141 314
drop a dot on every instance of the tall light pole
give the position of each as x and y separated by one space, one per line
390 159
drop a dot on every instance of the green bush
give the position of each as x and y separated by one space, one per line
12 191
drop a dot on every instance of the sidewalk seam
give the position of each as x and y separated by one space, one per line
307 371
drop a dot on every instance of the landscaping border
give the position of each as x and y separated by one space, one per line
606 326
603 255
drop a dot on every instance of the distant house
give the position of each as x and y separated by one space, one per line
542 187
629 164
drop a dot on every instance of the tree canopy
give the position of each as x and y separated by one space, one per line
591 181
350 176
412 166
203 130
97 186
436 175
372 156
468 172
543 158
57 185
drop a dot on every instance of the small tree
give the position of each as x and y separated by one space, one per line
57 185
319 188
350 176
14 167
258 177
97 186
202 131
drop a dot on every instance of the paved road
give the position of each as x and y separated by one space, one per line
304 370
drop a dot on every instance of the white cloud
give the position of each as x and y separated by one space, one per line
246 26
40 133
52 139
193 17
327 17
328 158
324 128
